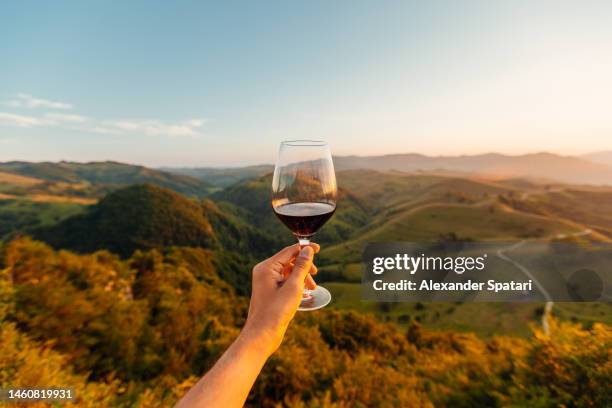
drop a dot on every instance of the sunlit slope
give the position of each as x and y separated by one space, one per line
17 180
433 222
385 190
589 207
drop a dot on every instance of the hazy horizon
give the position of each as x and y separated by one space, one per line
215 85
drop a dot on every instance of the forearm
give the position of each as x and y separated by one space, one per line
228 383
272 307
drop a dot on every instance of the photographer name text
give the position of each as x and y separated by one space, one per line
429 285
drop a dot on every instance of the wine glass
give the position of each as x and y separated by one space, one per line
304 196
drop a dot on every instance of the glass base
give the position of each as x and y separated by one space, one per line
318 298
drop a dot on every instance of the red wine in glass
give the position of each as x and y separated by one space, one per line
304 219
304 194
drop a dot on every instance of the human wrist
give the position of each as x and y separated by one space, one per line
261 340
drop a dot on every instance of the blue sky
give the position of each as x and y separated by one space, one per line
210 84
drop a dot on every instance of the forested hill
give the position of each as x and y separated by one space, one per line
136 217
143 217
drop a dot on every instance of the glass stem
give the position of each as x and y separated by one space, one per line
304 241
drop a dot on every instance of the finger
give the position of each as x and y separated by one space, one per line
303 263
289 267
316 247
309 283
313 270
286 254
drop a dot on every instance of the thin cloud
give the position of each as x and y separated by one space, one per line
62 117
22 121
48 119
23 100
105 130
187 128
149 127
146 127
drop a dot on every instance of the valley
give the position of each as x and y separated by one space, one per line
374 206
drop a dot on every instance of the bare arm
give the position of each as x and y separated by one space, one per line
272 307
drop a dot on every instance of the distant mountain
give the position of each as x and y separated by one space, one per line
542 166
222 177
107 173
600 157
593 169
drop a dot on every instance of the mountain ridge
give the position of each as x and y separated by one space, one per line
543 165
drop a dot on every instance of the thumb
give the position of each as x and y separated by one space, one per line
303 263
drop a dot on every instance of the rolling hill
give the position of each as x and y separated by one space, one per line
103 175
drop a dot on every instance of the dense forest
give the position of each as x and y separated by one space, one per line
138 332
